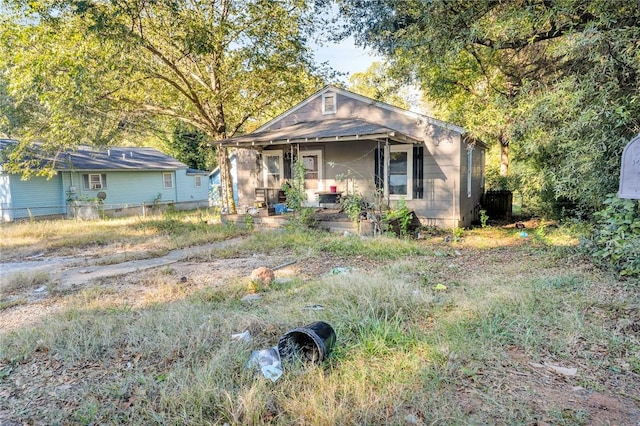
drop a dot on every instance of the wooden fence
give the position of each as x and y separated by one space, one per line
498 204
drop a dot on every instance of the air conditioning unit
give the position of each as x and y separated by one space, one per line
96 186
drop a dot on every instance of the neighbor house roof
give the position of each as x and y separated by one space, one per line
321 131
116 158
85 158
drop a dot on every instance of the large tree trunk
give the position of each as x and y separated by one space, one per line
504 156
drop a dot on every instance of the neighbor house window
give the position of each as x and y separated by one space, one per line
198 181
167 180
329 104
94 181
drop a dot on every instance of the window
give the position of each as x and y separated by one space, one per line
402 175
94 181
198 181
311 171
329 104
167 180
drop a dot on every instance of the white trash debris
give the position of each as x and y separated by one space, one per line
267 361
245 336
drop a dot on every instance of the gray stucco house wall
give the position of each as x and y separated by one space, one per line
350 135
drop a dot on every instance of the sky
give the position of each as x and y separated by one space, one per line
345 57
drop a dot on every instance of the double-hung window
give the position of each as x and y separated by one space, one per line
94 181
167 180
399 182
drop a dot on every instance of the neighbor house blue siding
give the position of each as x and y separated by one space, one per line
127 187
37 196
137 187
127 179
188 189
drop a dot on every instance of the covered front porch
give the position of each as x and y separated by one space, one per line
340 157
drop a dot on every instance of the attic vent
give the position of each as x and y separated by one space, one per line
329 103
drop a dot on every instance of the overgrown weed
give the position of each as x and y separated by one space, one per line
23 281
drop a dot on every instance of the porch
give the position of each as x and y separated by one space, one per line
329 219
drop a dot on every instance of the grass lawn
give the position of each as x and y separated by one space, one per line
492 329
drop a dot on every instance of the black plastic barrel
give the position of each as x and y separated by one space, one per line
311 343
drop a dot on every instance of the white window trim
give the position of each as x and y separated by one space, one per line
197 181
324 103
164 181
265 168
95 186
399 148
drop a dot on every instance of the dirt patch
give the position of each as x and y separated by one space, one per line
130 280
543 389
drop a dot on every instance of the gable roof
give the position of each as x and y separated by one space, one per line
322 131
361 98
116 158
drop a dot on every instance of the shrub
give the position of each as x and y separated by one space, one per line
352 206
402 216
616 237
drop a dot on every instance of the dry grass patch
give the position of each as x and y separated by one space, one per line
23 280
131 236
428 332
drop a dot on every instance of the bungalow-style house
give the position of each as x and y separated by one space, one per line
350 143
118 180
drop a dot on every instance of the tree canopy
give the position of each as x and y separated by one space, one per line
557 82
376 83
104 72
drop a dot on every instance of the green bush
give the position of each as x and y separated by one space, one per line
616 237
402 215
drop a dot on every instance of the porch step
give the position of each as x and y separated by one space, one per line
279 221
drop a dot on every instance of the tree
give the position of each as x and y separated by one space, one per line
189 146
376 83
115 69
553 82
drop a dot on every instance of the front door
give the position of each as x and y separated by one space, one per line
312 161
